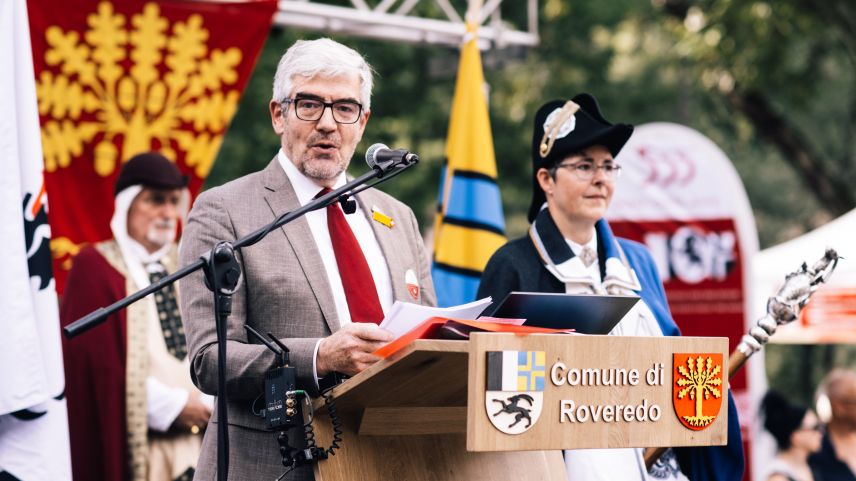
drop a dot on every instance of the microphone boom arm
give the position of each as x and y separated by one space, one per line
100 315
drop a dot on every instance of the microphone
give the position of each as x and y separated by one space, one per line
380 157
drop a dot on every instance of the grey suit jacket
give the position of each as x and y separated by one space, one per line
284 291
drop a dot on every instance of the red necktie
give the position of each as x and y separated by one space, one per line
360 290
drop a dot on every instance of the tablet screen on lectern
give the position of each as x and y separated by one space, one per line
587 314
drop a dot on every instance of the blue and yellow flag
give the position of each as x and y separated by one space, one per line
516 370
469 225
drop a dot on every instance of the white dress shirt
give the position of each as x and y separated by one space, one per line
306 190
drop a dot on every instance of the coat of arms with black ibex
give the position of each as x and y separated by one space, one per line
515 389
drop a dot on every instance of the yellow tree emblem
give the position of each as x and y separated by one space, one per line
700 381
135 86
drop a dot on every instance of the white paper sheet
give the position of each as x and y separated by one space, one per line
404 316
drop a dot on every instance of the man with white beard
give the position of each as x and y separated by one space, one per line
133 412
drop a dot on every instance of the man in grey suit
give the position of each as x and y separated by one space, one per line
298 284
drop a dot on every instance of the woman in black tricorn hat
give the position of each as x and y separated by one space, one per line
571 249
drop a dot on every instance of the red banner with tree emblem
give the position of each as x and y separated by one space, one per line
114 79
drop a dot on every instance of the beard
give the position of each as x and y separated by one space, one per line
161 233
323 167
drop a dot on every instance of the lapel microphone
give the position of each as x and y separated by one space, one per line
349 205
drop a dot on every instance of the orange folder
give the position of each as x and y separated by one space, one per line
430 329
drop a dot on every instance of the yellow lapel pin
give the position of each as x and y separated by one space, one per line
384 219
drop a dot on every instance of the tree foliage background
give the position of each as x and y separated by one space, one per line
772 83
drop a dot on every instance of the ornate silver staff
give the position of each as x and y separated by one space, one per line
782 308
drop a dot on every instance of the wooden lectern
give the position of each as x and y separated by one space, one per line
425 413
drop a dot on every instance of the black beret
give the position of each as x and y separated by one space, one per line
150 169
585 129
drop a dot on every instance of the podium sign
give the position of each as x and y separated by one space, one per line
542 392
489 408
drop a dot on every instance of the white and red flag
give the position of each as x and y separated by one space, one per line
33 420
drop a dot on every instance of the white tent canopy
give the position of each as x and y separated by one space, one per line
830 317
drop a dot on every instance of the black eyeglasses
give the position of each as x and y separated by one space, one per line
814 427
344 111
585 170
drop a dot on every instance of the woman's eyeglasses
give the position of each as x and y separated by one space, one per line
813 427
585 170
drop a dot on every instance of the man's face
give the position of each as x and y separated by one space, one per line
320 149
844 402
153 217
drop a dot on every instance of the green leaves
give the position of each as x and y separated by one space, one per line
720 67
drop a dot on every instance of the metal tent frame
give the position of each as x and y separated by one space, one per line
395 20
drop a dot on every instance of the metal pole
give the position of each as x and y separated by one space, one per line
473 11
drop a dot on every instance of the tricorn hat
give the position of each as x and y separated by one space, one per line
150 169
567 127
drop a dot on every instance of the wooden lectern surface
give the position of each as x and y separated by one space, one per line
405 419
440 457
425 373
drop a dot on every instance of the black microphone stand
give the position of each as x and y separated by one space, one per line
222 274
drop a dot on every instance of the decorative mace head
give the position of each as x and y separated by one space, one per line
785 306
799 285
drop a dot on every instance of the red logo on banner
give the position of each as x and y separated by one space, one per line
666 167
117 79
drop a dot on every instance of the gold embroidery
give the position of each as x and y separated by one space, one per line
64 250
89 96
136 368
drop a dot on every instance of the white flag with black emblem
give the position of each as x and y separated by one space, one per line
33 419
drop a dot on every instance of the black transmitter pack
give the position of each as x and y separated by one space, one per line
281 410
282 405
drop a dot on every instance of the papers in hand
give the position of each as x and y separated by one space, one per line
404 316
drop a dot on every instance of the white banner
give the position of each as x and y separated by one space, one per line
680 195
33 420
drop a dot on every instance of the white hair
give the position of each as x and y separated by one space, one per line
324 57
